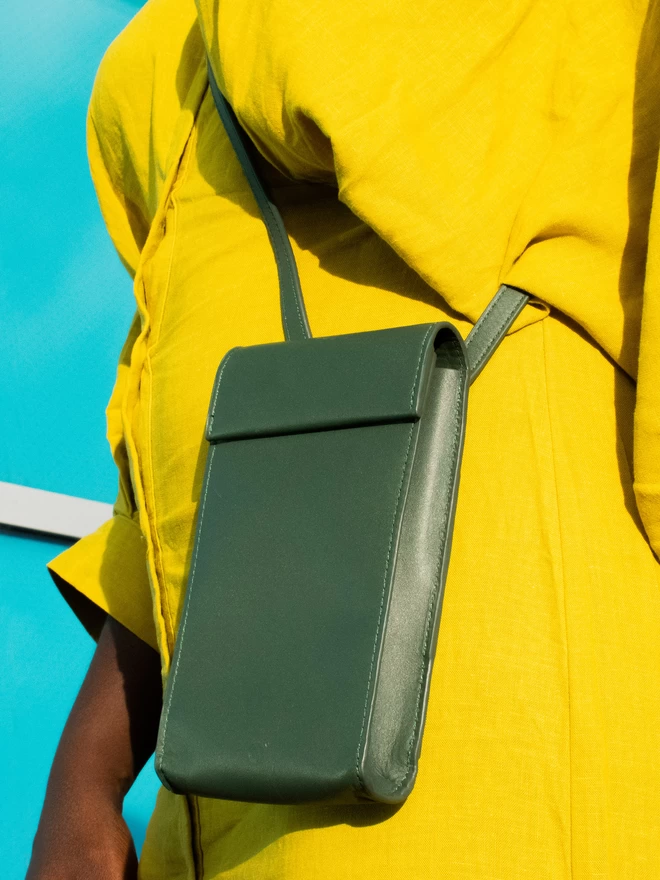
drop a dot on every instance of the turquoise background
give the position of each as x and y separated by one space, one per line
65 306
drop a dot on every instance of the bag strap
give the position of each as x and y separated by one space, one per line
482 340
492 326
294 314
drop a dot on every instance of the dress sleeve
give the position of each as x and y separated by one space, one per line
106 572
137 101
118 147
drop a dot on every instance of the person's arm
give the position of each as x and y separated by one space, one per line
110 734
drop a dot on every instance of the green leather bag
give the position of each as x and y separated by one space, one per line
302 665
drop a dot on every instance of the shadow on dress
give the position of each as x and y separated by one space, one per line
641 178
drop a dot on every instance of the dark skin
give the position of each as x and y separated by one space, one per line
109 735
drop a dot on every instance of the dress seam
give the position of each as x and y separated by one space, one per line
151 516
179 174
563 587
182 172
191 812
151 508
197 839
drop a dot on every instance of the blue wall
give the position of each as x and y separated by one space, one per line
65 306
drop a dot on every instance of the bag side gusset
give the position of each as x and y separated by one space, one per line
396 720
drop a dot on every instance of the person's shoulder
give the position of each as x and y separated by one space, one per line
143 81
151 49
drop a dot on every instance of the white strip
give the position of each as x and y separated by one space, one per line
40 511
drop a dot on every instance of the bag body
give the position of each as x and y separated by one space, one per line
302 664
318 568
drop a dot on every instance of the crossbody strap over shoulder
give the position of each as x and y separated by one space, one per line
484 337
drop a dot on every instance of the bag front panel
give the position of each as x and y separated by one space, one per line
304 530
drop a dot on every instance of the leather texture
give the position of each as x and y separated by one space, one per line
493 325
277 691
258 390
302 664
396 721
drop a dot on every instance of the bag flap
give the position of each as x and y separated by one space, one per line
326 382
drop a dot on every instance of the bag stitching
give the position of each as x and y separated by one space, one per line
493 344
185 618
479 326
419 362
429 614
387 561
382 605
217 385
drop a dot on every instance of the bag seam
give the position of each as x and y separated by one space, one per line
494 338
227 358
458 406
382 606
420 361
185 617
230 354
387 562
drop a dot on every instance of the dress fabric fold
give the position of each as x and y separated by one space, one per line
421 155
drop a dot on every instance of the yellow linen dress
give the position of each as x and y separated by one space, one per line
421 153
